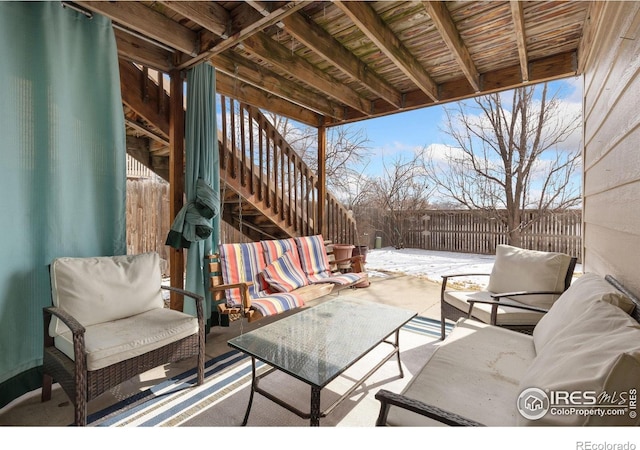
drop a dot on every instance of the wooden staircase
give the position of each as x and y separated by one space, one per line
268 192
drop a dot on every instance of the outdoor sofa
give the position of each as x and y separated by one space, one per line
258 279
584 351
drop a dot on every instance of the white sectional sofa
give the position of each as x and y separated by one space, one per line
584 354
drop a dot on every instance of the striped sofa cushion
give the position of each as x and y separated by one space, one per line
274 249
284 274
313 257
241 263
270 304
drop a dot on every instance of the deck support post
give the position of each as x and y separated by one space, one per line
176 180
321 224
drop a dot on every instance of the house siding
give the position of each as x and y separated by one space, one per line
611 234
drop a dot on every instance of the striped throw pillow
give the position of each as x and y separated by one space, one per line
241 263
284 274
313 257
274 249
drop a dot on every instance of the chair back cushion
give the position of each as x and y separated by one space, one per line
241 263
517 269
313 257
584 291
105 288
597 350
284 274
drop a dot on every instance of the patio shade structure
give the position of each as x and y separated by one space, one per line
327 63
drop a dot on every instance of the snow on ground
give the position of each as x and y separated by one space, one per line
431 264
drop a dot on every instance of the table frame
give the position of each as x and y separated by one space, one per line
315 414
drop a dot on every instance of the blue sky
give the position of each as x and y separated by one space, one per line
406 132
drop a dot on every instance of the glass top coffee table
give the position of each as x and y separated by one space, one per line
318 344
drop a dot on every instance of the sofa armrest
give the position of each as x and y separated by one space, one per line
502 302
357 262
521 293
66 318
244 291
388 399
445 279
77 330
198 298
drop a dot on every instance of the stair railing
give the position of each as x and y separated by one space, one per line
254 153
255 156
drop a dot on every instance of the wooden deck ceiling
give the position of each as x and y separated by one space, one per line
328 63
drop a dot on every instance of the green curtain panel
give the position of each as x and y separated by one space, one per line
62 153
202 178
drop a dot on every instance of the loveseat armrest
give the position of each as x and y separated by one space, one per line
500 302
244 291
521 293
357 263
388 399
77 330
197 297
445 279
66 318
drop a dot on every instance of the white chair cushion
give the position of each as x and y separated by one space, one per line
598 351
583 292
506 315
471 376
517 269
108 343
100 289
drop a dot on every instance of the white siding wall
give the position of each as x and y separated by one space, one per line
612 147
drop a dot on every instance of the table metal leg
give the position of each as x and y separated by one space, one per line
254 382
398 352
315 407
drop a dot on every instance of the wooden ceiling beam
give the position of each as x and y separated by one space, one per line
521 37
591 26
366 19
298 67
321 42
136 50
444 24
554 67
247 71
209 15
251 95
249 29
147 22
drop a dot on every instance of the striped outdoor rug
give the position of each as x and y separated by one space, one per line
222 399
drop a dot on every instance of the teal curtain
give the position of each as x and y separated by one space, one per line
202 171
62 153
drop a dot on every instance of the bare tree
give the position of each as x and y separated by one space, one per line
508 158
403 194
346 157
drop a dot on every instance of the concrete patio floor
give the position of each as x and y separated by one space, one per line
409 292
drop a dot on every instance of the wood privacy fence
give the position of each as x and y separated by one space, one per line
148 218
474 232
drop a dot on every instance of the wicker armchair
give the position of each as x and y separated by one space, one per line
109 324
523 285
